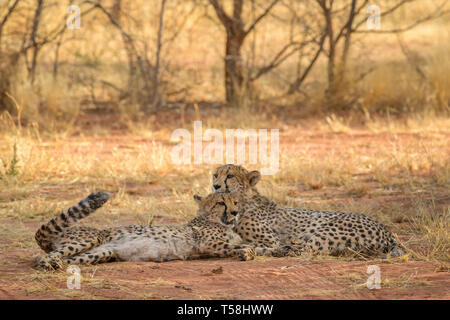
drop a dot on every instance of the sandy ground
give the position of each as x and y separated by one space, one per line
263 278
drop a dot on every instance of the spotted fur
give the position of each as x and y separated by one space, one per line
209 234
48 233
269 225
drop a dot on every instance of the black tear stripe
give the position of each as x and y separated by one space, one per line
225 204
226 178
224 217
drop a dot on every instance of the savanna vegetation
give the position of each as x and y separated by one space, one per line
90 103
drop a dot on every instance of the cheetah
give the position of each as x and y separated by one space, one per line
268 224
209 234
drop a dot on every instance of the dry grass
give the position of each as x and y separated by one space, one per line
389 157
358 281
93 68
398 177
431 233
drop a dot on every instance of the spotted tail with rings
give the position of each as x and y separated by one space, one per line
68 218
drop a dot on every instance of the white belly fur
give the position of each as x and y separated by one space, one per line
145 248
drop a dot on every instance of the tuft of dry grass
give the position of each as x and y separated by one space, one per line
407 280
431 233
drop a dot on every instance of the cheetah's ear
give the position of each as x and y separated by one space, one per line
197 198
254 177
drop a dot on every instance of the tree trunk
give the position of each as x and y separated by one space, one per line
116 9
331 51
33 36
348 33
155 95
234 78
236 33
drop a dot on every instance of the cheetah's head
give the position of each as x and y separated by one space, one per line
219 207
232 178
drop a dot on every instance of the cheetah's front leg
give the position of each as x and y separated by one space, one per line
222 249
269 244
243 252
264 239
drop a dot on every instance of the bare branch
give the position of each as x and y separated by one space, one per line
411 57
250 29
276 61
347 27
6 17
298 82
223 17
8 14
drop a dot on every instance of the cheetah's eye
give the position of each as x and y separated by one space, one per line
230 176
235 203
221 203
215 176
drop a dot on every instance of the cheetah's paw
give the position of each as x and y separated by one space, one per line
247 254
48 264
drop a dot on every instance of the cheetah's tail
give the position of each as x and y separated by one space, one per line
69 217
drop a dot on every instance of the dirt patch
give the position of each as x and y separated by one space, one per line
264 278
380 193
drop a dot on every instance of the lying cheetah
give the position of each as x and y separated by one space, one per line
209 234
265 223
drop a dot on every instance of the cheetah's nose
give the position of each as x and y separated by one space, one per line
234 213
216 186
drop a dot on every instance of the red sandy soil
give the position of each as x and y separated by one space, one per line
282 278
263 278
